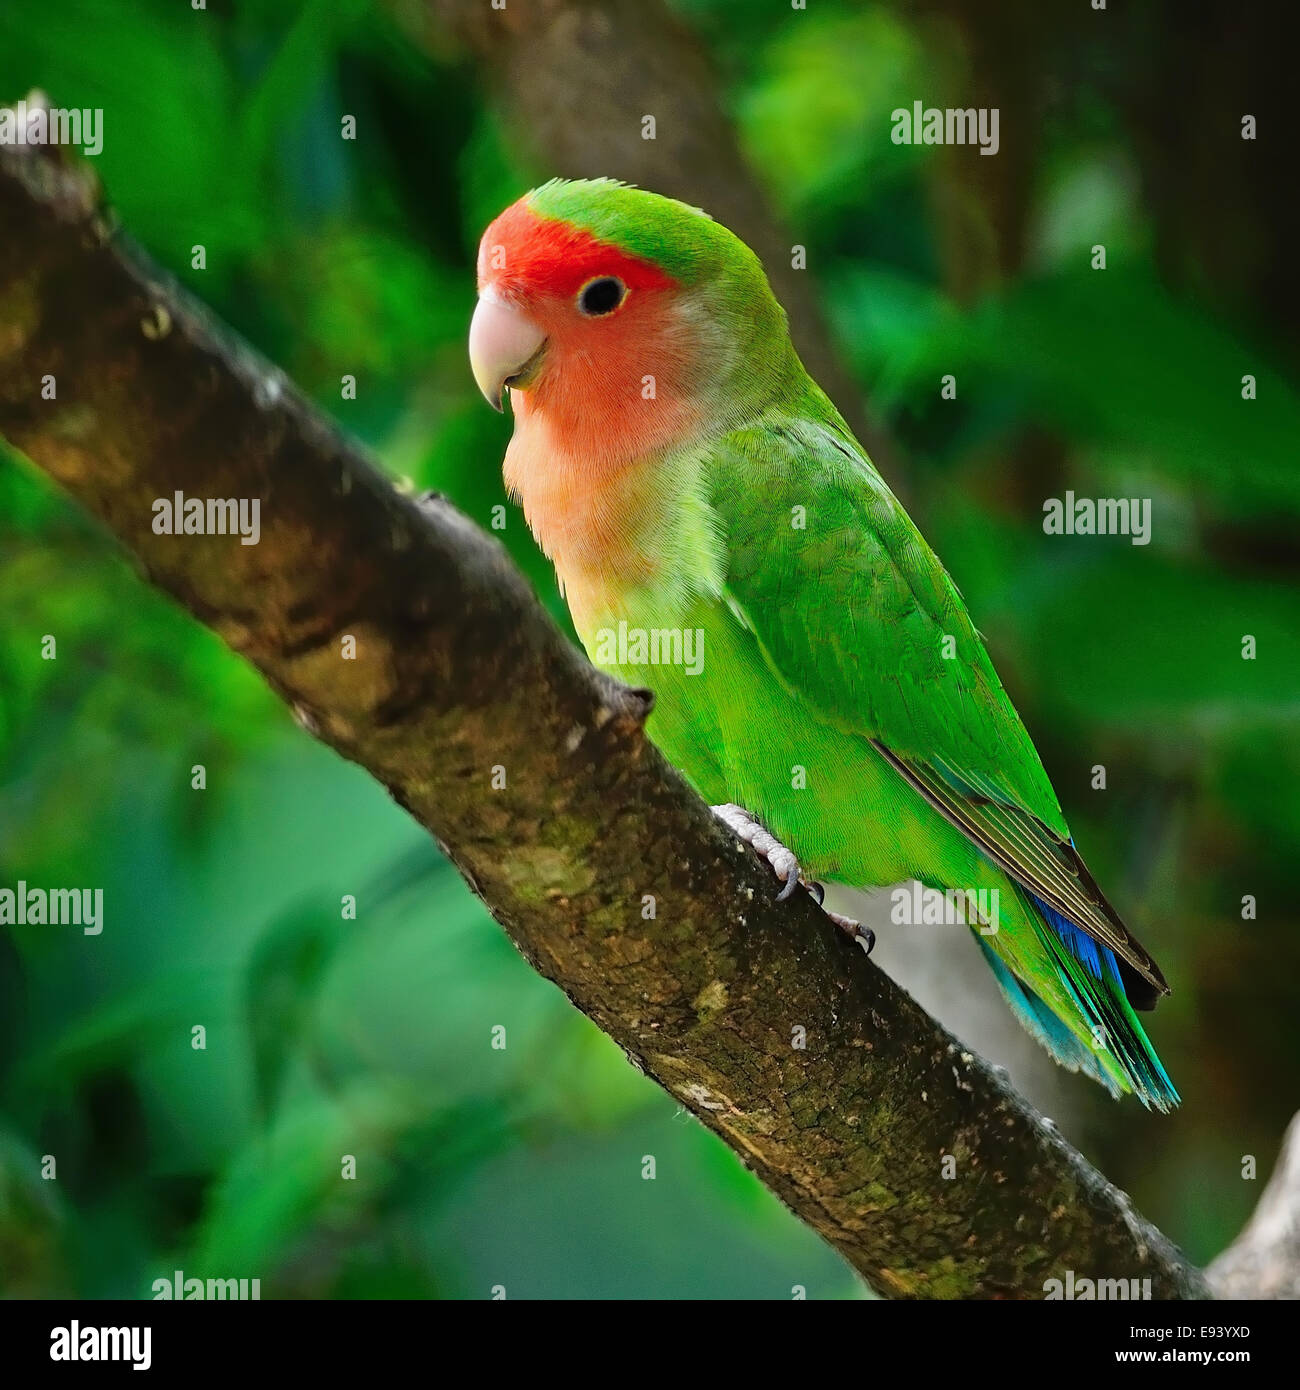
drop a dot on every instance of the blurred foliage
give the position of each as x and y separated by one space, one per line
327 1037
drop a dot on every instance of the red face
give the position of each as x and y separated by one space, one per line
532 259
589 340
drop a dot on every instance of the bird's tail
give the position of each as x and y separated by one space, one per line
1105 1040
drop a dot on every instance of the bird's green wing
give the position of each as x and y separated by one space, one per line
855 614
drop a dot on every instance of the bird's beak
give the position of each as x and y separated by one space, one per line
505 348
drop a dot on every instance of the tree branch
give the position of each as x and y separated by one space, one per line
459 672
1264 1260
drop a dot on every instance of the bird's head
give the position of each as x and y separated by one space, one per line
614 313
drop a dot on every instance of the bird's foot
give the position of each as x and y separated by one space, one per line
864 936
785 865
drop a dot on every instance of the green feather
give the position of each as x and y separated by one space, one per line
846 699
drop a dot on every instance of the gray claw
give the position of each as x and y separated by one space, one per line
864 936
786 867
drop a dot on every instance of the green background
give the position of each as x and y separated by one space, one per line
523 1167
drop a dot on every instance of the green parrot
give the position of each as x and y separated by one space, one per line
720 536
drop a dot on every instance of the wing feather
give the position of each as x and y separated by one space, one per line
880 643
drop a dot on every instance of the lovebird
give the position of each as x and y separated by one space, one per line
720 536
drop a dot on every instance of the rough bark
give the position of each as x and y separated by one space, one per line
459 672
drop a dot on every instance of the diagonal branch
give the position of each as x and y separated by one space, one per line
458 673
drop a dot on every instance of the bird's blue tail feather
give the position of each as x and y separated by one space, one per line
1091 976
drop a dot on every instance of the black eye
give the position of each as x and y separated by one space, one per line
601 296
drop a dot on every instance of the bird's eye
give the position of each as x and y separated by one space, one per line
602 296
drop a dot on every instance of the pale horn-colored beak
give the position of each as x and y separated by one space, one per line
505 348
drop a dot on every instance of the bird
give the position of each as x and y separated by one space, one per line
719 534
